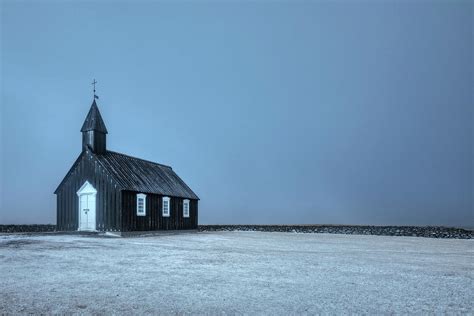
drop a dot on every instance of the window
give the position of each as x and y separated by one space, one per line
166 206
141 204
185 208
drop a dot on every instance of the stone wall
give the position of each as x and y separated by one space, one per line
415 231
27 228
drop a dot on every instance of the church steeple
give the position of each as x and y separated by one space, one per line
94 131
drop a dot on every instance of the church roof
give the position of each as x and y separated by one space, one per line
94 120
140 175
135 174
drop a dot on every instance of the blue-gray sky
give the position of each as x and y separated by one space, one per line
357 112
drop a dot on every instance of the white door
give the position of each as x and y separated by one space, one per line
87 212
87 195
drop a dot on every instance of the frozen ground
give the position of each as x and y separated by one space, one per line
236 272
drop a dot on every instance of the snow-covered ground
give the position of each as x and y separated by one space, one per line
235 272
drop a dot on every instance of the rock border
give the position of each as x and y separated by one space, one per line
35 228
412 231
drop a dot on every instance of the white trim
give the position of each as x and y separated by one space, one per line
141 196
186 208
88 193
165 211
86 188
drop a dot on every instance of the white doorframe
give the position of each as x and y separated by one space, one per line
87 209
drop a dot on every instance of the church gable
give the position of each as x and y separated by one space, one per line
71 170
87 174
84 168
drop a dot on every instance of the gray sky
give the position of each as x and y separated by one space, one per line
273 112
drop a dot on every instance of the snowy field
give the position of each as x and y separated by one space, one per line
235 272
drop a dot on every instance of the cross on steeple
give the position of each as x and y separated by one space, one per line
93 83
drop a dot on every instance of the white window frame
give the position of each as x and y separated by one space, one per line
166 212
186 208
141 196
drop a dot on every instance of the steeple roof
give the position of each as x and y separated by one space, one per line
94 121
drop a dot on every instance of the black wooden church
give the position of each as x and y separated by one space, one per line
109 191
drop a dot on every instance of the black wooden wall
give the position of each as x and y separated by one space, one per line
95 140
154 219
108 205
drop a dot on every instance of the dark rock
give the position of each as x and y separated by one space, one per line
413 231
27 228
